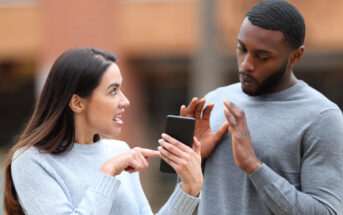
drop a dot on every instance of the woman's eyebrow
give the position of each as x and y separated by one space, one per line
113 85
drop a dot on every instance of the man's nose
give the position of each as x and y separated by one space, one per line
248 63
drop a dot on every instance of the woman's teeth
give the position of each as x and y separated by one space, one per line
116 118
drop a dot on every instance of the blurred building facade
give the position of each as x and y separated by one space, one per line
158 44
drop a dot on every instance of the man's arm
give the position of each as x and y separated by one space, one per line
321 171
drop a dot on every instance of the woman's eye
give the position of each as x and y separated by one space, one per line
113 92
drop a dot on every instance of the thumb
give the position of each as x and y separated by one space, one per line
196 145
221 132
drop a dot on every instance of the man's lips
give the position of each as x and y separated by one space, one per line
245 79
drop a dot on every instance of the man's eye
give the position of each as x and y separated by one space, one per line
262 58
241 49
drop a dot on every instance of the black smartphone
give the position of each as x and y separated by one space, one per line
182 129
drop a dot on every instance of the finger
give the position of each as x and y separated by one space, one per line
207 111
230 118
171 148
196 146
234 109
168 161
148 153
143 160
130 169
164 152
199 108
221 132
136 159
192 105
176 143
134 165
183 110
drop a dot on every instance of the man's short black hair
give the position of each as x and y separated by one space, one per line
279 15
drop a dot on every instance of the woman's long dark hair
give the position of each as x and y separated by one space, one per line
51 127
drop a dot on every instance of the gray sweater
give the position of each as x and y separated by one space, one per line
70 183
298 135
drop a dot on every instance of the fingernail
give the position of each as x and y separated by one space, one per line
164 135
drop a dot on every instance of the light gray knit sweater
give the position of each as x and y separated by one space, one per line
70 183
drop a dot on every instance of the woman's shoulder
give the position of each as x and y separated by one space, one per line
28 159
25 153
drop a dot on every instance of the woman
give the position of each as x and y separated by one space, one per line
60 165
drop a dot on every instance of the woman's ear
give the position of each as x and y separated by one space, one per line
76 104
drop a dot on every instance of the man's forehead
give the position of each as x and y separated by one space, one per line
262 38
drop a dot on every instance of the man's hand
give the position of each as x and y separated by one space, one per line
203 131
243 151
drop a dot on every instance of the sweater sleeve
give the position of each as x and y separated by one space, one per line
179 203
321 188
29 174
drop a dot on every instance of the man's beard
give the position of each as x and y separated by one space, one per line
267 84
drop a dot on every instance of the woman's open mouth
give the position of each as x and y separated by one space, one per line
117 119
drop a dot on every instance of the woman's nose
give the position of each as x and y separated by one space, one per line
124 101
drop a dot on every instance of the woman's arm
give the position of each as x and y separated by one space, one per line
41 191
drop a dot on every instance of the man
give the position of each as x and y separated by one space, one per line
277 145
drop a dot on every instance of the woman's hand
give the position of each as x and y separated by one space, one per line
131 161
186 162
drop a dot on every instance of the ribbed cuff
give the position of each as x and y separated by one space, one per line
183 202
105 185
263 177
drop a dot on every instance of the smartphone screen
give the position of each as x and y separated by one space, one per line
182 129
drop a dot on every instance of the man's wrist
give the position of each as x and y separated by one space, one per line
252 166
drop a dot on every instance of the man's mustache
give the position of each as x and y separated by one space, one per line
246 74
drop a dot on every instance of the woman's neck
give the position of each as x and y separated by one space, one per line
83 134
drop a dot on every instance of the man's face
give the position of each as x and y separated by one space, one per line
263 59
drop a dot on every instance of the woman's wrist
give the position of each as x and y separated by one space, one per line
192 190
108 170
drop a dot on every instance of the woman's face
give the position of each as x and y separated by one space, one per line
107 103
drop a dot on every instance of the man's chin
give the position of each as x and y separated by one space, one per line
249 91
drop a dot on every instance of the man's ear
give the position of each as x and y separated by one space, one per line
296 55
76 104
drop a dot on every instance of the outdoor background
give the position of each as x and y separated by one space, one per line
169 51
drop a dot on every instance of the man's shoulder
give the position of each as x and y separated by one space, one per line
318 99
